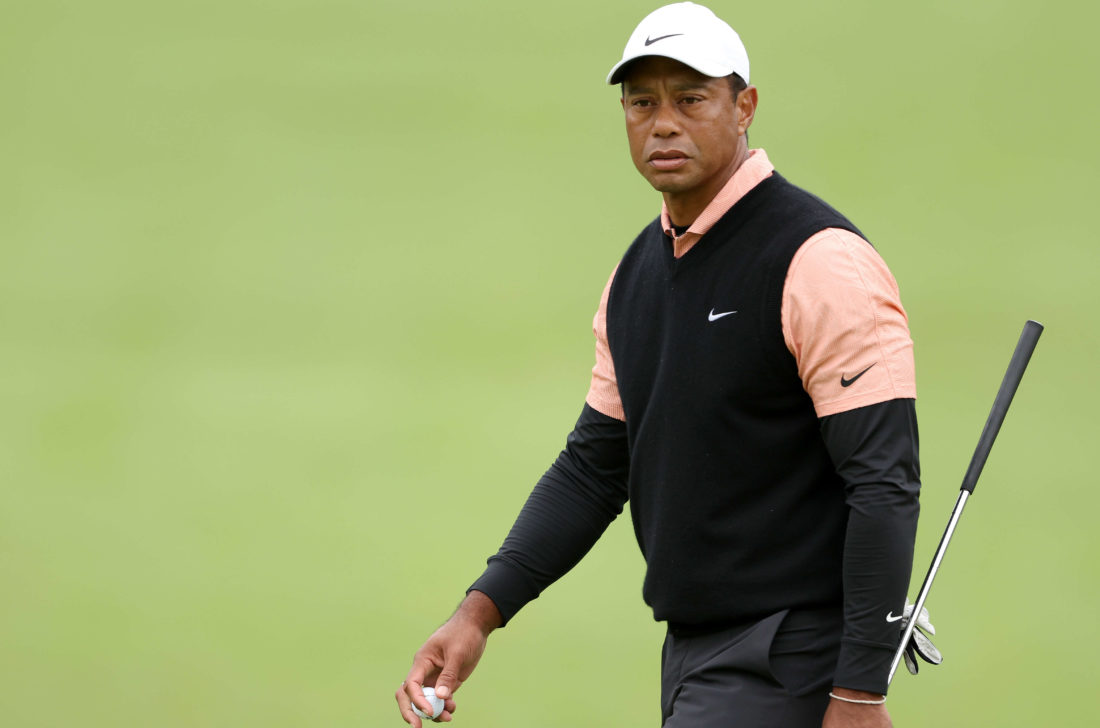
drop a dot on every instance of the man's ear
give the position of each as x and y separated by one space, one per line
746 108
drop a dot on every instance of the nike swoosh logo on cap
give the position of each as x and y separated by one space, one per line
650 41
849 382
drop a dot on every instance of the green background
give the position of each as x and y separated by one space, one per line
295 306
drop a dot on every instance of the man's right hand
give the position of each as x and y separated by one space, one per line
446 660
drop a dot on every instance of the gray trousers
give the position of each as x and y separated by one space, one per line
775 673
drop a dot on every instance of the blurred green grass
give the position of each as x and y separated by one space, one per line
297 300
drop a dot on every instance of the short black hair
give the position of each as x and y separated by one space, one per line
737 84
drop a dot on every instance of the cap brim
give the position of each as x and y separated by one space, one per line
714 70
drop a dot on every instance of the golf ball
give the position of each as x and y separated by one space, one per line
437 704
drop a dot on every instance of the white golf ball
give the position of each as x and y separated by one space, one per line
437 704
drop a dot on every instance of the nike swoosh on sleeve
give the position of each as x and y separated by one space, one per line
849 382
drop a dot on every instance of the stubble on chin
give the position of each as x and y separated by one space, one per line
668 183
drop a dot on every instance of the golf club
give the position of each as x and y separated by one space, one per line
1016 366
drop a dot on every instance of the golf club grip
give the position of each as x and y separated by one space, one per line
1024 348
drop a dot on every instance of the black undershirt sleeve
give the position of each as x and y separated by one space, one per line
569 509
875 451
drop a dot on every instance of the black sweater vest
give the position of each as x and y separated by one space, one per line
736 504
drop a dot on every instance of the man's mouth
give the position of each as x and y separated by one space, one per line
667 160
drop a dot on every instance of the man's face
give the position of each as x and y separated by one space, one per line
685 130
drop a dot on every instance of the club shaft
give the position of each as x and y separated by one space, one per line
926 587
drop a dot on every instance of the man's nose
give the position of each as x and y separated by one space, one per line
666 123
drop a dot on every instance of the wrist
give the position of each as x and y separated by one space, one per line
479 610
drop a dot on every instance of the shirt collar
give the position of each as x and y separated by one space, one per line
752 172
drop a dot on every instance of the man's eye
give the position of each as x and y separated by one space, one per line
641 102
691 100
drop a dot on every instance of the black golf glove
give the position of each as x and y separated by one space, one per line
919 644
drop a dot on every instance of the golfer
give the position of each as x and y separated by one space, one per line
753 402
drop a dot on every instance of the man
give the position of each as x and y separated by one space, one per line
753 400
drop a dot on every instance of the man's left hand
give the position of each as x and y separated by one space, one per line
853 715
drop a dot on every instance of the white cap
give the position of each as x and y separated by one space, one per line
690 34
